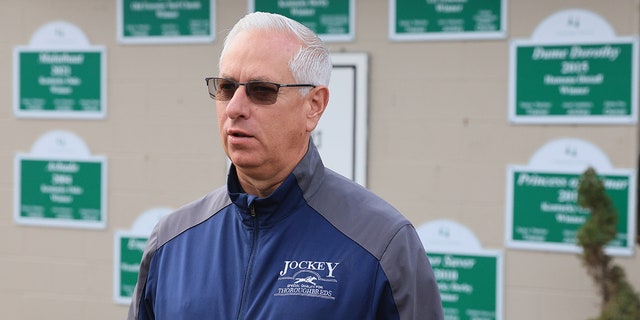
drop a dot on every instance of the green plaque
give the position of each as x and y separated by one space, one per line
166 21
332 20
544 214
129 249
445 19
573 83
469 284
60 84
61 192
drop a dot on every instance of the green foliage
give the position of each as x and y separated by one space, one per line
619 300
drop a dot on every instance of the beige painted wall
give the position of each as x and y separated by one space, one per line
439 144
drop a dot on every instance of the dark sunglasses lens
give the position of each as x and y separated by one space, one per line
223 89
262 92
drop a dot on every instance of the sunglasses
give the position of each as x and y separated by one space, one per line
259 92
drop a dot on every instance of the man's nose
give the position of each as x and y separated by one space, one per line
239 104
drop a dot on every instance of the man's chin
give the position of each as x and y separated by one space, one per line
245 161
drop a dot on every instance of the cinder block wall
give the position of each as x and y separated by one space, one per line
439 144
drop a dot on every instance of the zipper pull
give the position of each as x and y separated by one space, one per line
252 208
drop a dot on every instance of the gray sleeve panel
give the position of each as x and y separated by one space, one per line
414 286
358 213
381 230
171 226
190 215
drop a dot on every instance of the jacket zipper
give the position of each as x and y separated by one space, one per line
244 304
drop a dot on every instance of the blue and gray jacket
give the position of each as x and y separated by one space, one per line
319 247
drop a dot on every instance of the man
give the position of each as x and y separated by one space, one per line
287 238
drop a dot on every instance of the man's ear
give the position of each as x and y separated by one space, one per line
318 99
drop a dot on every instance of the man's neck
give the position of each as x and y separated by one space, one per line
257 182
259 188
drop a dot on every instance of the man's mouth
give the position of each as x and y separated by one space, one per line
238 134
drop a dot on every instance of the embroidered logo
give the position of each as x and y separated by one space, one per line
308 278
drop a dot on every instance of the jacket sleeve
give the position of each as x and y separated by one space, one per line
413 285
138 310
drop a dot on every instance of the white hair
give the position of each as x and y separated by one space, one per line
310 64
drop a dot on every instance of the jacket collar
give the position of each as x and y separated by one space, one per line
298 186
